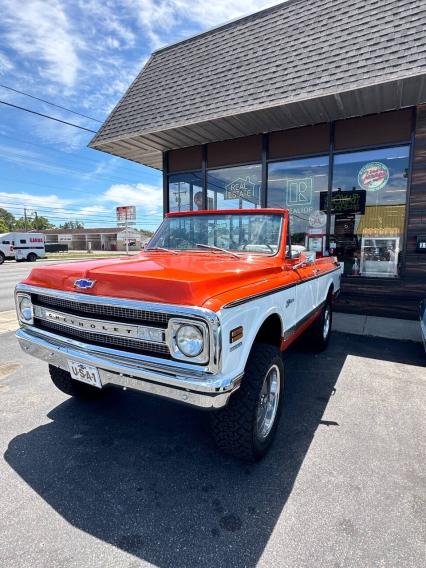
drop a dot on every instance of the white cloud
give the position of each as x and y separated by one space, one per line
148 197
5 63
55 208
159 17
20 200
41 31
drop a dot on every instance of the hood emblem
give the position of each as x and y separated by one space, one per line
84 283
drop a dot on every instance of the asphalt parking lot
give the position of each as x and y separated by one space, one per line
135 481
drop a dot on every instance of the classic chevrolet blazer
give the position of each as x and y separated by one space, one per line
201 316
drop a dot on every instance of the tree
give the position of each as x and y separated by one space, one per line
41 223
3 227
72 225
33 224
8 220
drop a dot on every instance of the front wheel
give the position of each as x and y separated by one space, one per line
246 427
32 257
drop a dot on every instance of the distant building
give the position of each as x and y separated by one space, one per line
109 238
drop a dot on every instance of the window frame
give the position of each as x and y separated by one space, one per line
265 161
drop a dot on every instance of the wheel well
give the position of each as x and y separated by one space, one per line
330 292
270 331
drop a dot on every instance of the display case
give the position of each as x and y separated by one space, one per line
379 257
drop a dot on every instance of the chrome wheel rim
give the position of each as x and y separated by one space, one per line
326 327
268 402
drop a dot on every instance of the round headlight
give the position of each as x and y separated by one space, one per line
189 340
26 308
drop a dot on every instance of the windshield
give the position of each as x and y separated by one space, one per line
237 233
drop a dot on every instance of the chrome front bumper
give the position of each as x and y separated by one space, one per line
198 389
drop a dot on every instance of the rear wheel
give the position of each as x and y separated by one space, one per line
246 427
1 258
32 257
319 332
63 381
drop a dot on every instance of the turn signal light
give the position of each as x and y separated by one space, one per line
236 334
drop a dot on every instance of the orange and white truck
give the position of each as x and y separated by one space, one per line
201 316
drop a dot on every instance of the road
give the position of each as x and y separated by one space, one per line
11 273
131 481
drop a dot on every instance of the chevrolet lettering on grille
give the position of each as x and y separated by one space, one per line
99 326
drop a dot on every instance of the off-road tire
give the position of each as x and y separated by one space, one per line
63 381
316 336
234 427
1 258
32 257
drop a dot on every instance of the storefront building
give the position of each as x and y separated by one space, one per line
107 238
299 106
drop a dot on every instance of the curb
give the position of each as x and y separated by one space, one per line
373 326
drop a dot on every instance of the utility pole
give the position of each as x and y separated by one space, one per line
127 237
25 218
35 220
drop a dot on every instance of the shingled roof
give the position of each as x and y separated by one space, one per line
300 62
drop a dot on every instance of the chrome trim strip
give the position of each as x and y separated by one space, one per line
95 325
293 329
208 316
276 290
173 309
170 366
123 372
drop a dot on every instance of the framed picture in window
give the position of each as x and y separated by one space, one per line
379 257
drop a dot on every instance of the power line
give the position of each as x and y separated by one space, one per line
61 168
49 103
78 158
44 186
65 211
47 116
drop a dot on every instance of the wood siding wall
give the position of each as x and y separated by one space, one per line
399 298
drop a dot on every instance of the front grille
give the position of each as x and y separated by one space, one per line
117 313
138 346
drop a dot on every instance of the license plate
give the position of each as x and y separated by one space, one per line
85 373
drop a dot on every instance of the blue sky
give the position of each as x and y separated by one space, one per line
83 54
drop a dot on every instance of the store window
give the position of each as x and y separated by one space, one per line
234 188
185 192
297 185
368 208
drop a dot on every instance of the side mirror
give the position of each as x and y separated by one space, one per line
306 258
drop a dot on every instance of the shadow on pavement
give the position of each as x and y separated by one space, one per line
143 474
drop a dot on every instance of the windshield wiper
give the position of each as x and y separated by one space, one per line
161 249
212 247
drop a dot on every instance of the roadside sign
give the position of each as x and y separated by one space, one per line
126 215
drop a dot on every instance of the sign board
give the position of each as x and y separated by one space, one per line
299 191
242 188
343 202
64 238
373 176
126 214
421 243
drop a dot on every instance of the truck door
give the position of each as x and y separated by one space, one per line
307 292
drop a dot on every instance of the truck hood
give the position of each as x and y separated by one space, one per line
184 278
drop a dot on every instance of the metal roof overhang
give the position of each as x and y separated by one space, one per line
147 148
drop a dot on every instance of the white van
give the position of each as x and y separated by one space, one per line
6 247
22 246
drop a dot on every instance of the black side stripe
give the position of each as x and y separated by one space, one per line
291 330
27 248
275 290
